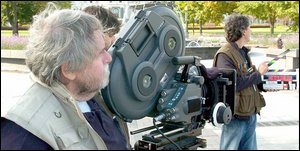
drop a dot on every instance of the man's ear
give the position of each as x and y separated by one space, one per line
67 74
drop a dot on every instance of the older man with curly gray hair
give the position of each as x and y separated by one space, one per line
68 60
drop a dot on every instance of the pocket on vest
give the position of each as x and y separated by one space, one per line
244 105
67 139
260 102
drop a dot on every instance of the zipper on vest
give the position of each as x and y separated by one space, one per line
254 87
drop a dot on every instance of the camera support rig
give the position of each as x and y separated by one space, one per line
181 133
184 139
150 76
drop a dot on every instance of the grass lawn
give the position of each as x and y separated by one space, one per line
8 33
260 36
277 30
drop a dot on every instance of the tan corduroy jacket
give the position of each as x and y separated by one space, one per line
53 115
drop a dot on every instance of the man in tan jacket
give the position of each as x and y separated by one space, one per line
68 60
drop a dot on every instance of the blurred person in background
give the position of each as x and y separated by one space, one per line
279 42
109 20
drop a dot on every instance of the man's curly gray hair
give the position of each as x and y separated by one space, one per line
58 37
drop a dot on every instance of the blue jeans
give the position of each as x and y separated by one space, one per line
239 134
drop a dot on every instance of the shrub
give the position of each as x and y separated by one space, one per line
289 40
14 42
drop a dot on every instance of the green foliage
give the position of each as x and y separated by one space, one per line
206 11
26 9
292 11
271 11
214 11
63 4
3 12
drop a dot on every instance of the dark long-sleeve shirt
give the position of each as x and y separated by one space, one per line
15 137
242 81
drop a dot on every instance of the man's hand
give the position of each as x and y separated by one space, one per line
263 67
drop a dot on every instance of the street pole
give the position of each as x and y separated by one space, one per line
186 22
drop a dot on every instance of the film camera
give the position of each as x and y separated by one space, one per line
150 76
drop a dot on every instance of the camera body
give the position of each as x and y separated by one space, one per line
150 76
142 62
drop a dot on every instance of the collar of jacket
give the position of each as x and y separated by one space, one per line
234 45
60 91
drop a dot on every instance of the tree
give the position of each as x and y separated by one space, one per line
9 13
195 10
21 12
217 9
291 10
207 11
15 22
265 10
3 12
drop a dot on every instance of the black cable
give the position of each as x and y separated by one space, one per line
166 136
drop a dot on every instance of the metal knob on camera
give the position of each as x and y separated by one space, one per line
221 114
